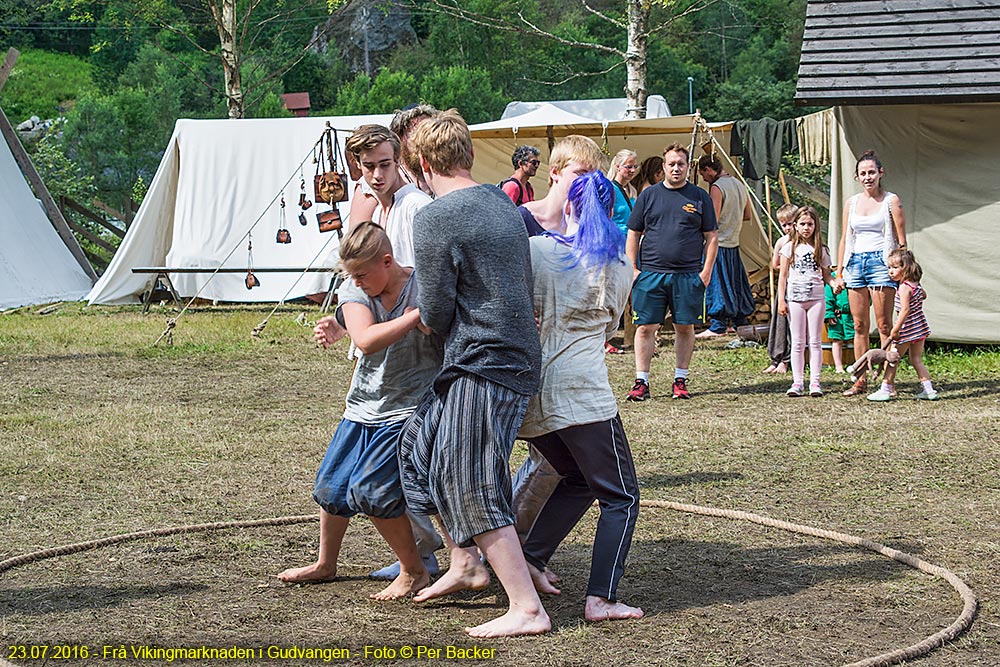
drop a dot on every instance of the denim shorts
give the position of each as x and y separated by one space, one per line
653 293
360 472
867 269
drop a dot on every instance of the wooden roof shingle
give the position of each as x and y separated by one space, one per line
900 52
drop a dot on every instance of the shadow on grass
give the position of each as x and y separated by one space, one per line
833 388
661 481
42 600
668 576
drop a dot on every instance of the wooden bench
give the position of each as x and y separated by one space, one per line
162 273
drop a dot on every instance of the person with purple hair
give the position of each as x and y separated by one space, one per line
581 281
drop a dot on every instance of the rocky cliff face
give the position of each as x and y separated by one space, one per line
364 32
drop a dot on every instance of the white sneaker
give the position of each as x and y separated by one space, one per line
927 395
880 396
794 391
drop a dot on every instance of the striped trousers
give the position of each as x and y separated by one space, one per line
454 455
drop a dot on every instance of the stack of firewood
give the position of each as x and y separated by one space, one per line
762 301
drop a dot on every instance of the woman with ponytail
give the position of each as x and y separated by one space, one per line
873 226
581 283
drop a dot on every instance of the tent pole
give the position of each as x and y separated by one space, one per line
784 188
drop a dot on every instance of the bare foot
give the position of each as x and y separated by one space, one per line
782 368
465 574
552 576
770 369
541 581
600 609
309 574
707 333
404 585
513 624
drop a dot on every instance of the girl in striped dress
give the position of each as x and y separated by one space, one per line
910 329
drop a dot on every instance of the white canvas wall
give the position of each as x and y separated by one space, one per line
217 177
35 265
941 161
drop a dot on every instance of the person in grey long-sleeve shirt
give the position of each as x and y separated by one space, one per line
475 287
473 270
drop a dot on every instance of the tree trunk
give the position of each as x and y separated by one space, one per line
635 58
224 12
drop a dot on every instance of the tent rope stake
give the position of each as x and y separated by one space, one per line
922 648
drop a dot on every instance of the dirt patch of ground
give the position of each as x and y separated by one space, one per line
100 434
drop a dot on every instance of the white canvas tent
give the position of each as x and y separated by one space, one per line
941 161
598 109
494 142
35 265
216 179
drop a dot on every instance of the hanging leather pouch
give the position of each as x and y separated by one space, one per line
329 221
329 184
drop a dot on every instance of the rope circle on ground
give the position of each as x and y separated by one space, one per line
928 644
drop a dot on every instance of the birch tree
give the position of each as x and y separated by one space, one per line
636 20
248 33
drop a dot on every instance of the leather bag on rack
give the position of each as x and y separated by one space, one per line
329 221
330 185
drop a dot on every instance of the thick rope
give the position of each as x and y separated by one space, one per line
922 648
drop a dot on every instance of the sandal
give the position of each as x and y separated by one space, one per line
858 388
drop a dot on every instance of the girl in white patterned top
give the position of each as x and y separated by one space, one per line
805 268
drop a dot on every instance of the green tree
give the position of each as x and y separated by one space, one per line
44 84
120 137
272 106
255 41
389 91
321 75
468 90
624 40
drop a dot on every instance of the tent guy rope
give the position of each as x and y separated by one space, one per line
167 333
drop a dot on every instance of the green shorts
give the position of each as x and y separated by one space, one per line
840 328
682 293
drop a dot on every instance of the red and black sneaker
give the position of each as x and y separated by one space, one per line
640 392
681 388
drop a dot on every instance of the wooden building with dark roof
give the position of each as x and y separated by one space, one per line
899 52
918 81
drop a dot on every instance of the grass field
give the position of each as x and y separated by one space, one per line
101 433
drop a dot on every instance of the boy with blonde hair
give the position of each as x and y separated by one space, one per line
779 336
474 272
360 472
573 156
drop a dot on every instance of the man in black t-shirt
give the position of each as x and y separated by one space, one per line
672 242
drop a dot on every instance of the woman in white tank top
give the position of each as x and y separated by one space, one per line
873 226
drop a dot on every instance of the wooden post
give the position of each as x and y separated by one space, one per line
767 200
784 188
51 210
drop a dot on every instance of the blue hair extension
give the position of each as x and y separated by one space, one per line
598 241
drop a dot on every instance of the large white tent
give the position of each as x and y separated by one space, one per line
218 180
35 265
940 159
218 177
597 109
